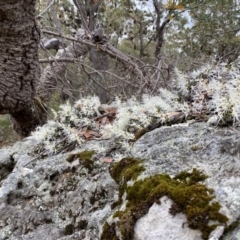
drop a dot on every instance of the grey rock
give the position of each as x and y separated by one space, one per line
48 197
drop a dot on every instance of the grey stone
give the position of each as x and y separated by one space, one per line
48 197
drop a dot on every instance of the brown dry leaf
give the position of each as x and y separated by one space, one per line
103 120
82 131
179 7
111 110
107 117
107 160
88 134
174 115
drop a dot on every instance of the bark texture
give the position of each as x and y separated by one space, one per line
19 39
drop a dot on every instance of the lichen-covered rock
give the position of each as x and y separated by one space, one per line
77 195
215 151
53 197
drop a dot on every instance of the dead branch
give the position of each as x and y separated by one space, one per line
68 60
117 55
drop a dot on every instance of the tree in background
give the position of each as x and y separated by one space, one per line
125 48
207 30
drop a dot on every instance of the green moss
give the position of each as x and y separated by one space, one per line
69 229
189 196
86 155
191 178
109 232
85 159
125 170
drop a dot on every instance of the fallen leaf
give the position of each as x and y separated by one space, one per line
107 160
88 134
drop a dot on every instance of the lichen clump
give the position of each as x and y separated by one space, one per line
190 197
210 94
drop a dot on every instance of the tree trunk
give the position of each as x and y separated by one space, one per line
100 63
18 54
159 28
18 62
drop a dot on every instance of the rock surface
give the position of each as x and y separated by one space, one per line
65 196
158 223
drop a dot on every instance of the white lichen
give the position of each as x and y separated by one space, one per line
213 90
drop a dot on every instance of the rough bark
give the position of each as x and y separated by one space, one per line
18 54
18 63
99 59
100 63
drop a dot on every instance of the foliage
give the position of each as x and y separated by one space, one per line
213 30
197 30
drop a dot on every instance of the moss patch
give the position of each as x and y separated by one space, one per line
69 229
85 159
230 228
123 171
189 196
127 168
109 232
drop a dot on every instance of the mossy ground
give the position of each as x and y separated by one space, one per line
189 196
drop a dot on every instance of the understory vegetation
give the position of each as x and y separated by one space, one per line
209 94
